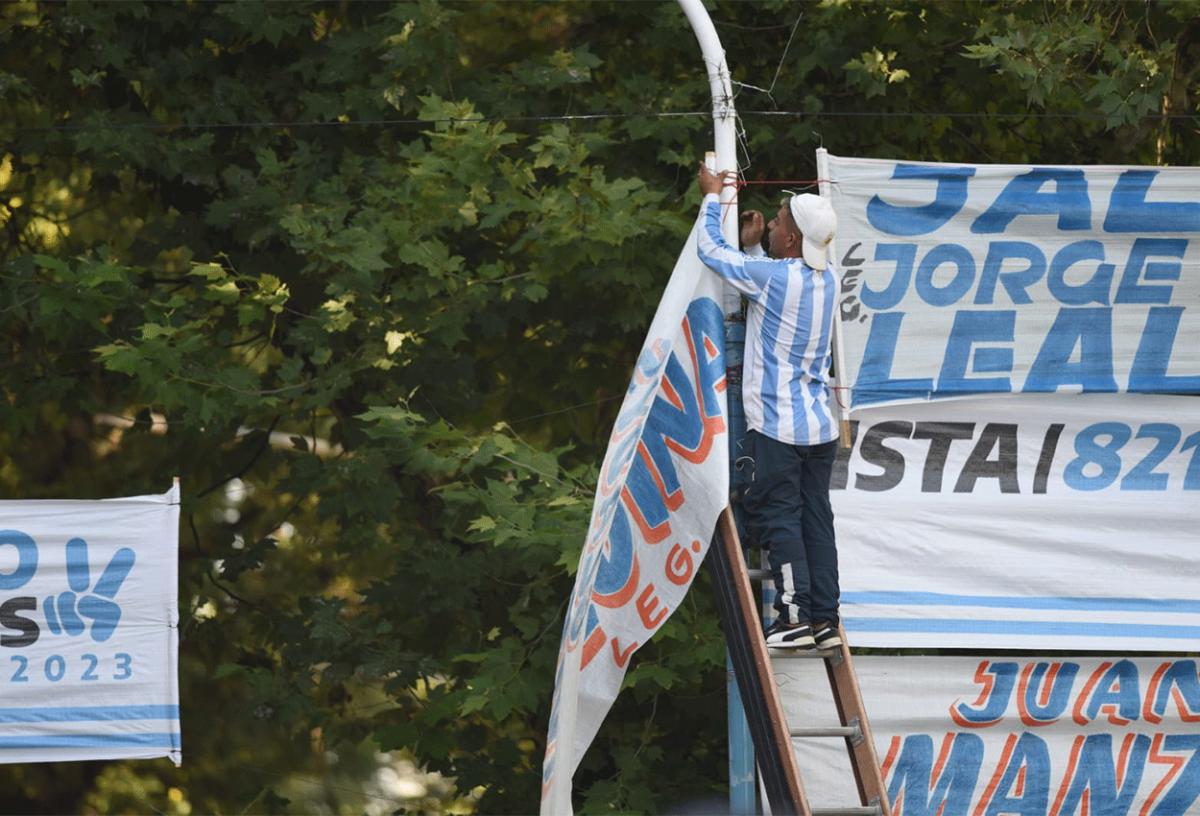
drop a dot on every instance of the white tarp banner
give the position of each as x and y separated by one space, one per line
1023 522
88 629
664 480
1031 736
977 279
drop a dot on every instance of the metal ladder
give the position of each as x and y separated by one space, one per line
769 731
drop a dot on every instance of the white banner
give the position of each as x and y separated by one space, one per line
1023 522
980 279
88 629
664 480
968 736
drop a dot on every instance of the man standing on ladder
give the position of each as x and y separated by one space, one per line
792 438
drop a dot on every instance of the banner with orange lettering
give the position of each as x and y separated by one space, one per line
664 480
1036 736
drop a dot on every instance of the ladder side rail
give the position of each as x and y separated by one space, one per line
846 695
756 678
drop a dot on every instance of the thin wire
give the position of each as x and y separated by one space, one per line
782 182
601 401
743 167
750 28
568 408
453 120
739 125
739 133
966 115
584 117
779 67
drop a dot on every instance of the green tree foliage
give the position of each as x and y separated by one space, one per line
327 262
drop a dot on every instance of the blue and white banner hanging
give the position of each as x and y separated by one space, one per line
1037 736
664 481
1023 522
88 629
980 279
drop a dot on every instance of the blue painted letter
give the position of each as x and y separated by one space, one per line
949 198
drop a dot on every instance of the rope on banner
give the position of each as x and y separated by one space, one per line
837 396
782 182
741 183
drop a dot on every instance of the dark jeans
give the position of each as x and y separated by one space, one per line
788 513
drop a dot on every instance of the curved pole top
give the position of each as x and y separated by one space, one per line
724 120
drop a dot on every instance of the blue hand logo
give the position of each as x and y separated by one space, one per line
63 613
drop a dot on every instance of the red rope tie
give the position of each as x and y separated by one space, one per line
835 389
725 208
780 182
740 183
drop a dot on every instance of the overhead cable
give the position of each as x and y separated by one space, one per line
580 117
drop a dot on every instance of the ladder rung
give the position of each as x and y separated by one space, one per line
824 654
759 574
861 810
831 731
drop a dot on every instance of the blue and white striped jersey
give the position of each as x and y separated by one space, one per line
785 376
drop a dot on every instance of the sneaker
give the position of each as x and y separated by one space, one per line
782 635
826 636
